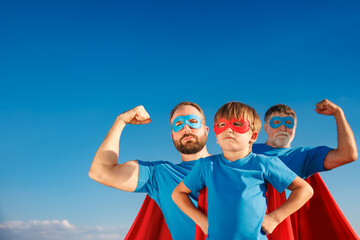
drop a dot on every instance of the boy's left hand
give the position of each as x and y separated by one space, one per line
269 224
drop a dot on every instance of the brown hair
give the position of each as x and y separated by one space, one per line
279 108
188 104
239 110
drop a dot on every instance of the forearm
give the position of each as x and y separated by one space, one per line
346 150
296 200
183 201
345 136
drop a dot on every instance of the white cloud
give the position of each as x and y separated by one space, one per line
58 230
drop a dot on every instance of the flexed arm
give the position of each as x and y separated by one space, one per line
105 168
346 150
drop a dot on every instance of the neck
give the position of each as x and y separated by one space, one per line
191 157
233 156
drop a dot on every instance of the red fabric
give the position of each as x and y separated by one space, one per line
321 218
149 223
202 206
284 229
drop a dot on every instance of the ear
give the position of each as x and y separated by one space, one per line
253 137
266 125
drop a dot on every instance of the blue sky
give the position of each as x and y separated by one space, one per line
68 68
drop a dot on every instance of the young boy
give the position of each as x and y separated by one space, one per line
236 181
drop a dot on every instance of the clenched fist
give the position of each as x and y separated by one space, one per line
137 115
326 107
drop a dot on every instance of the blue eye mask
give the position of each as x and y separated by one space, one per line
283 121
186 120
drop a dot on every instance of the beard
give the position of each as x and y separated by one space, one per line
281 141
190 147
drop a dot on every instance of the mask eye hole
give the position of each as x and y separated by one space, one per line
178 123
276 122
220 124
288 122
238 124
193 120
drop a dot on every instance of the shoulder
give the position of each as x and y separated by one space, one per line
266 160
309 149
156 164
208 160
257 146
262 157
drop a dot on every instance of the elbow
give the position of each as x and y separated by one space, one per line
97 170
92 174
309 191
176 195
354 156
173 195
351 157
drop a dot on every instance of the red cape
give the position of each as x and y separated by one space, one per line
320 218
149 224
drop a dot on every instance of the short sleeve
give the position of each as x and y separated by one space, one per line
195 179
146 171
278 174
315 160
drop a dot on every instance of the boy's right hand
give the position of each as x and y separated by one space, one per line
137 115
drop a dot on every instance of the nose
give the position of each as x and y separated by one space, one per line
283 127
229 130
187 128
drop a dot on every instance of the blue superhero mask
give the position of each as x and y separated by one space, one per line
276 122
191 120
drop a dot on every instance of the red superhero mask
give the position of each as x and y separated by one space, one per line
239 126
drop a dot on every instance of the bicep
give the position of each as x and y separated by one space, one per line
333 160
181 188
121 176
297 183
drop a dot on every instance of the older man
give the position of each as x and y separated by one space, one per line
280 126
321 218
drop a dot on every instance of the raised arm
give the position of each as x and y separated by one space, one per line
301 192
346 150
105 167
180 196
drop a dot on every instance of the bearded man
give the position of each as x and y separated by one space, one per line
156 178
280 125
321 218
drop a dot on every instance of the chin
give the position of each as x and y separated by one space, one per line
281 143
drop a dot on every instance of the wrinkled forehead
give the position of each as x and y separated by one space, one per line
186 110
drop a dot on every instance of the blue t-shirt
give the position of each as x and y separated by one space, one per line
236 192
304 161
159 179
